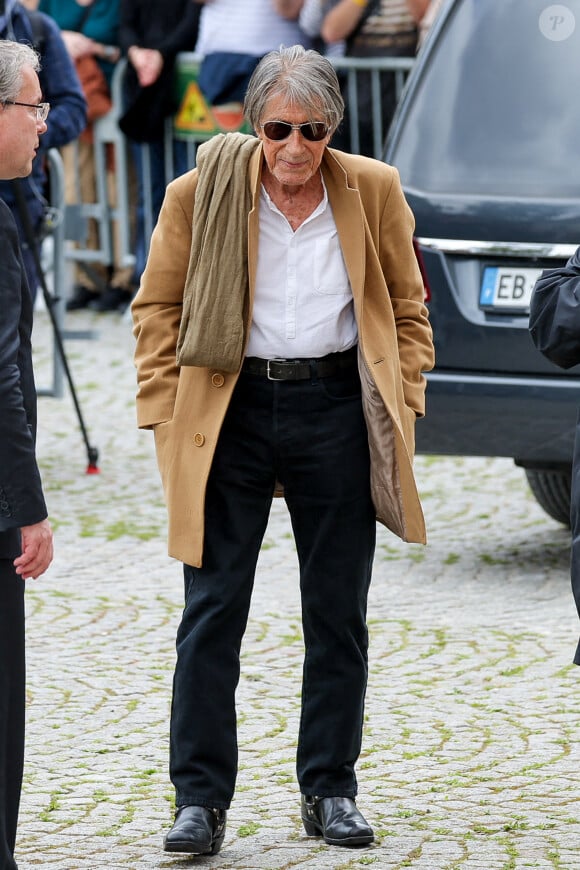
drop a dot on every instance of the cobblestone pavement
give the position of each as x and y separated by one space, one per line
470 756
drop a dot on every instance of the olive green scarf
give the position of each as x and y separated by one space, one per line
211 333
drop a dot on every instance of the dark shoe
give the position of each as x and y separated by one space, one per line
337 820
82 297
113 299
197 831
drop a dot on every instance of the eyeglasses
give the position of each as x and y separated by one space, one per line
42 109
314 131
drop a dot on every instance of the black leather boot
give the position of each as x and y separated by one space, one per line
197 831
337 819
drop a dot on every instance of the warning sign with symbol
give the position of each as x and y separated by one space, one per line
193 113
195 117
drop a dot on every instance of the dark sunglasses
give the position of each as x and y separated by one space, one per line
279 130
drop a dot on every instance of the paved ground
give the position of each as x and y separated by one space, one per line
470 758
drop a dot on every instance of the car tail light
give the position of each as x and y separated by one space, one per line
422 269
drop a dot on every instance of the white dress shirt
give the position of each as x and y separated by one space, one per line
303 305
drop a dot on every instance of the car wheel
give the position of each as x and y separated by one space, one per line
551 489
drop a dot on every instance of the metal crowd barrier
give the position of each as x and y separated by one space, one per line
207 125
195 122
107 135
352 66
111 214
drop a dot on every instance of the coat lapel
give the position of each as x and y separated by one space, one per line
350 223
255 175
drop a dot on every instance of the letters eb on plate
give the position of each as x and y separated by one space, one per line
507 288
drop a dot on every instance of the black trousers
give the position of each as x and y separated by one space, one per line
12 705
311 437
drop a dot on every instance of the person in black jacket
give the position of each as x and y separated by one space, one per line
555 330
151 35
62 89
25 533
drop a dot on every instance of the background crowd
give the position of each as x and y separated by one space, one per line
81 41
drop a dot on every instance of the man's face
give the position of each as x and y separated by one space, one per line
20 130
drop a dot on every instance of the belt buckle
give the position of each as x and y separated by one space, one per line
268 364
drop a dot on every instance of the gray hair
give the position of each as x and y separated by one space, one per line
304 77
14 57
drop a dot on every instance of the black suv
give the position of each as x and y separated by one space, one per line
487 141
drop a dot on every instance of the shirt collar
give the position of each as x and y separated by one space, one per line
320 208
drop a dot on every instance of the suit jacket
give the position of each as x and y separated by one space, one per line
21 499
555 313
555 330
186 406
60 87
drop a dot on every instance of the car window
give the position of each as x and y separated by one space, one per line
496 109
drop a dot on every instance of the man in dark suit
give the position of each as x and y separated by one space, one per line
25 533
555 330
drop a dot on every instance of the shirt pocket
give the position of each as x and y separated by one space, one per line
330 275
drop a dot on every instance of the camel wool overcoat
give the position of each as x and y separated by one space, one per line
186 405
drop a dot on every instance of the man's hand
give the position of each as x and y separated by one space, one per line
77 44
37 550
148 63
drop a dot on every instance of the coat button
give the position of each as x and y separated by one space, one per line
199 439
218 379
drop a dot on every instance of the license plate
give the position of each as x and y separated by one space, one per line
508 288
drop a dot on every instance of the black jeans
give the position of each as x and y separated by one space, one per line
310 436
12 707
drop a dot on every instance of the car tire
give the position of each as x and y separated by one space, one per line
551 489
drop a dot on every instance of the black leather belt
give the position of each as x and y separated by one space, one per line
300 369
